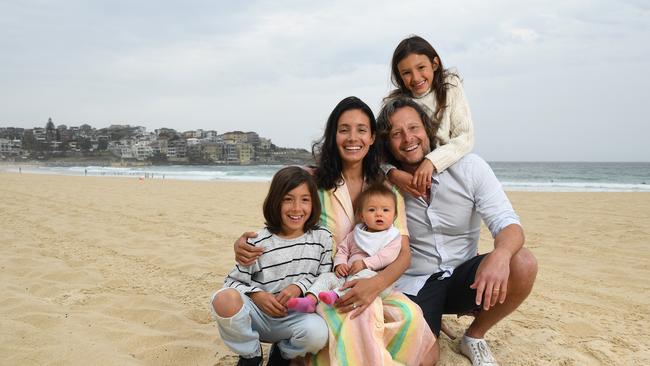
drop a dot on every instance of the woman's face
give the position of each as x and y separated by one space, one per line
416 72
353 136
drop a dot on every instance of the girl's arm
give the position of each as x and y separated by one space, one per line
343 251
461 130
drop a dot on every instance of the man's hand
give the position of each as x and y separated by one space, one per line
491 281
289 292
362 293
268 304
357 266
403 181
422 176
246 254
342 270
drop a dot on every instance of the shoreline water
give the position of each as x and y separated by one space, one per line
514 176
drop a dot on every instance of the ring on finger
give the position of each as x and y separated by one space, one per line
354 306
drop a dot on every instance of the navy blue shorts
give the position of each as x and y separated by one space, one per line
450 295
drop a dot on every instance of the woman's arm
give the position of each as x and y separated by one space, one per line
246 254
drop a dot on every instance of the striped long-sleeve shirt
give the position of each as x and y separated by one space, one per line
284 262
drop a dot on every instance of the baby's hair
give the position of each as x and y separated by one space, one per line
377 189
284 181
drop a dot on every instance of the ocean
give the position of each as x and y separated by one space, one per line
514 176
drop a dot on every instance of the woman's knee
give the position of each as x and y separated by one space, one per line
227 303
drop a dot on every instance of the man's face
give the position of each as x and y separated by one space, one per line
408 140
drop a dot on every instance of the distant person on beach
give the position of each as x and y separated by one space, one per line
364 328
295 250
446 276
371 246
418 73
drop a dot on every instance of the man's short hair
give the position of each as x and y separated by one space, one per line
384 126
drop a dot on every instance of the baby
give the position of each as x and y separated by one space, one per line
372 245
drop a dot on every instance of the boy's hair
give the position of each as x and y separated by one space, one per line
284 181
377 189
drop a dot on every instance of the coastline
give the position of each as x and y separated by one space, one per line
514 176
121 270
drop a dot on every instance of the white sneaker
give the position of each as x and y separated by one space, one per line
477 351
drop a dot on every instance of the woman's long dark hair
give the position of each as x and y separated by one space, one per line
326 153
419 46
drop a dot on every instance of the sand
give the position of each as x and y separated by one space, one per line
118 271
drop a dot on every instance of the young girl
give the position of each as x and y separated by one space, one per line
417 72
252 305
371 246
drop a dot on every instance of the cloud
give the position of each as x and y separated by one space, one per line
280 67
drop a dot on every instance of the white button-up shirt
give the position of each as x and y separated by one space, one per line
444 233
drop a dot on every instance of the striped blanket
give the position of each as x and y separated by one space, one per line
382 335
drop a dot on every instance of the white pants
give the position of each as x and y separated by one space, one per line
296 334
330 282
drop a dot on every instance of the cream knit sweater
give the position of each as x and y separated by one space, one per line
455 137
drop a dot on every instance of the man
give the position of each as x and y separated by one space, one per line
446 276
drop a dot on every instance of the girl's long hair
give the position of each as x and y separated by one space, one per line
419 46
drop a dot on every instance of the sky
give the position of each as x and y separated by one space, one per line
545 80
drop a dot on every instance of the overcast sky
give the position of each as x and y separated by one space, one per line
551 81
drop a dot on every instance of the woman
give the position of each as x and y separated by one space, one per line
363 328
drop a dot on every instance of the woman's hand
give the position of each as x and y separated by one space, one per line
289 292
422 176
404 181
362 293
246 254
268 304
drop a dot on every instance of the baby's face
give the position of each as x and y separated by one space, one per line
378 212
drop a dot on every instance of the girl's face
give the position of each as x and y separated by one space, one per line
295 210
353 136
416 72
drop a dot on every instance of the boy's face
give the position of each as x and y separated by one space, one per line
378 212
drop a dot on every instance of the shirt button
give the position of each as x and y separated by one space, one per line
378 325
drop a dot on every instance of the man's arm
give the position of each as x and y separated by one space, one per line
491 281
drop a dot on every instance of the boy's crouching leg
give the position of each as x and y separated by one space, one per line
235 323
227 302
309 336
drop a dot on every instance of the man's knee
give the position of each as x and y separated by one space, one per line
523 267
227 303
